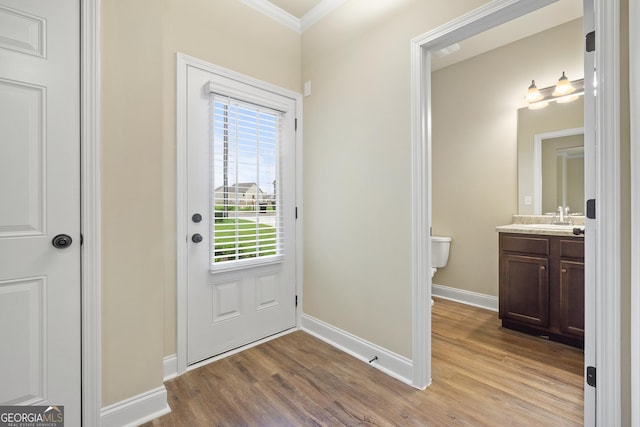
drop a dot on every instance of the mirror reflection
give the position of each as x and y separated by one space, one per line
562 173
551 159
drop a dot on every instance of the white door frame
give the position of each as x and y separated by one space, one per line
634 70
182 62
90 215
607 224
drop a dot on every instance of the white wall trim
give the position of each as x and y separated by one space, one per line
283 17
608 228
634 71
169 367
392 364
274 12
136 410
475 299
487 16
91 213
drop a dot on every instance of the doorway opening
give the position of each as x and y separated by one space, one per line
604 237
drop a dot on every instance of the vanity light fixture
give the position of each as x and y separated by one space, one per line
563 92
563 87
533 94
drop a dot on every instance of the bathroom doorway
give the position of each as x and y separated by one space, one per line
443 38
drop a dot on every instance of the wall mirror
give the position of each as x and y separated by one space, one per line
551 158
558 171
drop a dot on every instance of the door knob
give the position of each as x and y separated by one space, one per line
61 241
196 238
578 231
196 218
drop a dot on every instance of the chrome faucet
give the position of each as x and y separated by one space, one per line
561 212
563 216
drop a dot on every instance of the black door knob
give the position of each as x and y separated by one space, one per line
196 218
196 238
61 241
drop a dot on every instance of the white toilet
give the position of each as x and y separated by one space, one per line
439 253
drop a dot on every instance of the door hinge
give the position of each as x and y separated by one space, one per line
296 212
295 124
296 300
591 208
591 376
81 239
590 41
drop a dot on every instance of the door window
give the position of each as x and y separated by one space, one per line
245 217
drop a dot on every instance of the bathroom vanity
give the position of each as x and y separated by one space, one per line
542 281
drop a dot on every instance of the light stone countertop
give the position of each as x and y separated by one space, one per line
541 224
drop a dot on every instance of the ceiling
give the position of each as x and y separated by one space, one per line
551 16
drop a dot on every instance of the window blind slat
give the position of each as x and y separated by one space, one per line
246 217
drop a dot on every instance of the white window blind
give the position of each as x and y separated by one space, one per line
246 217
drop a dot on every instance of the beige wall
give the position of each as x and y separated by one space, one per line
139 43
357 165
475 164
131 174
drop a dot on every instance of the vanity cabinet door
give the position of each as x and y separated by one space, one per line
524 290
572 297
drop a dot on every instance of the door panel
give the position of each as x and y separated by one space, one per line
40 198
525 294
239 294
22 159
572 297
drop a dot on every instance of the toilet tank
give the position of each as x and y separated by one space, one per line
440 251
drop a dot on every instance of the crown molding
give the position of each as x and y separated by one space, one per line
321 10
274 12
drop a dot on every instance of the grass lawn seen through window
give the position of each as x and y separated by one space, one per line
236 239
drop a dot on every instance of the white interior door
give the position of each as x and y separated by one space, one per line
40 199
241 214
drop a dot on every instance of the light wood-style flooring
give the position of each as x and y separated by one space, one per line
483 375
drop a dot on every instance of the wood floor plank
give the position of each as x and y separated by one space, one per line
482 375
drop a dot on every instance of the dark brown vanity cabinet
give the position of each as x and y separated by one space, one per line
542 286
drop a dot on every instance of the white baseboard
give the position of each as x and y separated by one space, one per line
388 362
170 367
136 410
465 297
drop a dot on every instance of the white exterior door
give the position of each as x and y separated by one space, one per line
40 199
240 215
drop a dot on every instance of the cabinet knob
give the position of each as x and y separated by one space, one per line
564 270
542 267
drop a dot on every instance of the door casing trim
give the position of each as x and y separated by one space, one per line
90 211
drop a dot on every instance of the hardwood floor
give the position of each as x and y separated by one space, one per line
482 375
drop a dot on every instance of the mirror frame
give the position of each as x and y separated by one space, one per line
537 162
